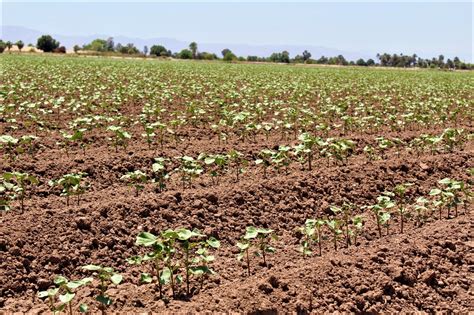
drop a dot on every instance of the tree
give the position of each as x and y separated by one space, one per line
46 43
185 54
370 62
100 45
20 45
306 55
229 56
2 46
193 47
145 50
361 62
76 48
225 51
158 50
109 44
9 45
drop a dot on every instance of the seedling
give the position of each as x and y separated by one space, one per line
120 137
160 172
260 239
216 162
136 179
66 292
311 232
9 143
334 226
403 211
346 211
189 169
21 182
71 185
76 136
237 160
382 216
421 209
106 276
264 159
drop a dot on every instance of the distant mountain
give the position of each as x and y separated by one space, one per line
14 33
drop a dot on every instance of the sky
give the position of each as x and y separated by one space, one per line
427 27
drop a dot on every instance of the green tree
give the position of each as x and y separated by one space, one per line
193 47
9 45
2 46
229 56
98 44
158 50
46 43
225 51
76 48
20 45
306 55
185 54
361 62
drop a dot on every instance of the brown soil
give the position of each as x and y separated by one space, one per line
427 268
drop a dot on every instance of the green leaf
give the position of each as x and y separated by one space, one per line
165 275
184 234
92 267
83 308
213 242
250 233
60 280
105 300
243 246
145 278
116 278
66 298
146 239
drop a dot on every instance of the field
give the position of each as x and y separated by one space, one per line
358 183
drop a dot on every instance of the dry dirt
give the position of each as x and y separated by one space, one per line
428 268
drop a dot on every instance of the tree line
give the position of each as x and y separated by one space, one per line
107 46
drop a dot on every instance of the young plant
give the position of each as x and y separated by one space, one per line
265 158
217 164
9 143
189 168
120 137
346 212
71 185
237 160
403 211
160 173
260 239
65 290
421 210
334 226
136 179
106 276
20 183
381 213
311 232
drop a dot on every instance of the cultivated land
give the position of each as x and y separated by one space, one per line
268 146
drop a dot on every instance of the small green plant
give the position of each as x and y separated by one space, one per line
160 172
334 226
189 168
265 158
260 239
136 179
421 210
9 143
311 232
449 196
65 290
76 137
173 249
120 137
71 185
217 164
106 277
19 183
403 211
381 213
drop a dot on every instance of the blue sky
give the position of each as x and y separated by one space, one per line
426 28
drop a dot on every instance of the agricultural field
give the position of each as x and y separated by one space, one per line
169 186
